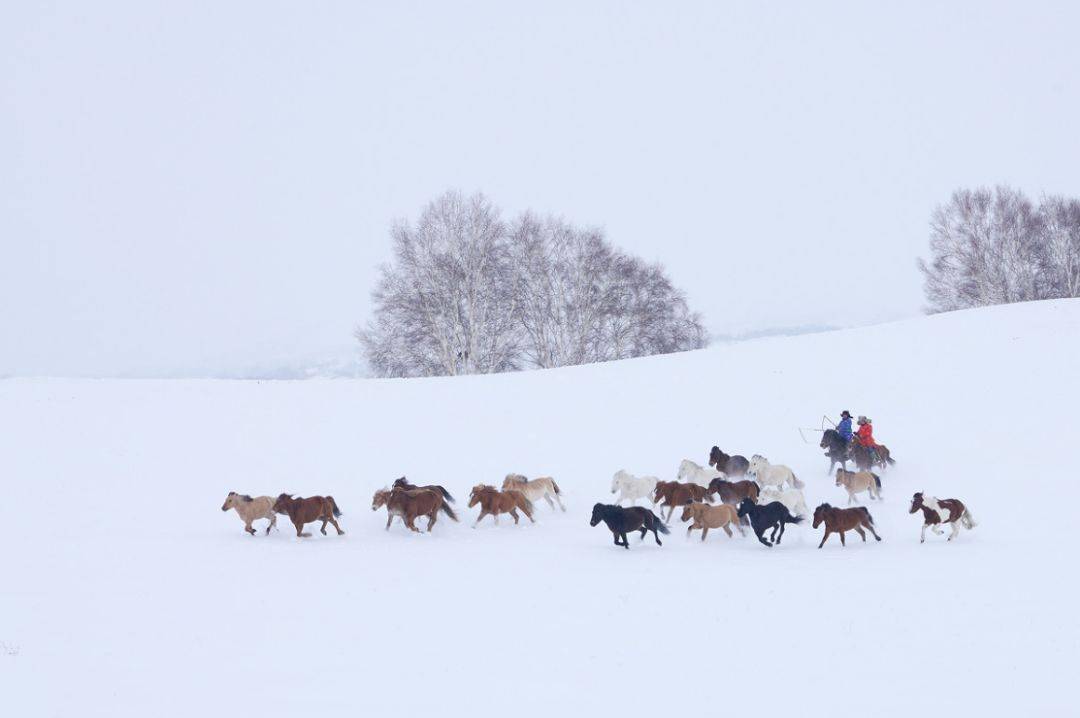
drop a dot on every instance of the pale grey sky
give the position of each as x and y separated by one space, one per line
209 184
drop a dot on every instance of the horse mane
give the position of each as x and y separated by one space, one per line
246 498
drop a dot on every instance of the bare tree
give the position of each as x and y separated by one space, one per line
447 304
468 294
996 247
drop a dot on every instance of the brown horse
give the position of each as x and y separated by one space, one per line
732 492
403 483
673 493
731 465
941 511
864 460
251 509
495 502
841 520
304 511
711 517
411 503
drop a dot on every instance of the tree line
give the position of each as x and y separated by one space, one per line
468 292
997 246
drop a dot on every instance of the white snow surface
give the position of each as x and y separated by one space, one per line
126 591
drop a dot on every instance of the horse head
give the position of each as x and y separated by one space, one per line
819 514
745 507
281 505
597 514
229 501
381 497
916 502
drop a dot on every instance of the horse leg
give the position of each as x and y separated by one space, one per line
775 528
656 535
333 522
625 542
432 517
688 530
761 537
248 528
616 535
483 513
842 541
824 538
727 530
273 523
781 536
559 500
322 529
922 534
858 530
955 530
299 529
704 532
547 497
870 527
389 520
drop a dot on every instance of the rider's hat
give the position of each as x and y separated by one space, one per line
863 420
845 414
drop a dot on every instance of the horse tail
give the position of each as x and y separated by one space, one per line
795 481
890 460
448 511
792 519
555 487
877 479
968 520
659 524
445 494
333 506
869 518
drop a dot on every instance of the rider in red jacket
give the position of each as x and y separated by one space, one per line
865 436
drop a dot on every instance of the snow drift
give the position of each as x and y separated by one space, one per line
126 591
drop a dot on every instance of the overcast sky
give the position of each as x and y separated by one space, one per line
203 186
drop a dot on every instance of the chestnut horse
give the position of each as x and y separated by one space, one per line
732 492
941 511
841 520
304 511
411 503
673 494
493 501
403 483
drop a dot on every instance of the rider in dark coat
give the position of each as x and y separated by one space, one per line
844 427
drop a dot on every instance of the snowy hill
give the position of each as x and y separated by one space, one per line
122 575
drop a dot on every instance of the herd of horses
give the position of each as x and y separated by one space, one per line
733 492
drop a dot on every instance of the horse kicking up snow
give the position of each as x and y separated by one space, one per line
622 521
793 499
711 517
777 475
251 509
856 482
631 488
770 516
495 502
941 511
536 489
411 503
841 520
731 465
305 511
689 471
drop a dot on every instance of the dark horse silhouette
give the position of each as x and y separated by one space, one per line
835 448
622 521
864 458
770 516
731 465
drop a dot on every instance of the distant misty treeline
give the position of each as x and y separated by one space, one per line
469 292
997 246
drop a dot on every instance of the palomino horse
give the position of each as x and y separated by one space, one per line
411 503
835 448
841 520
251 509
305 511
859 481
535 489
708 517
631 488
941 511
770 516
403 483
495 502
731 465
673 494
689 471
622 521
777 475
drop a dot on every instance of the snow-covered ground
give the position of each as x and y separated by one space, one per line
126 591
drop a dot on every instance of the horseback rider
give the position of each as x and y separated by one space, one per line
865 437
844 427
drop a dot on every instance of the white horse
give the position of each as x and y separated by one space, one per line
632 488
793 499
695 473
766 474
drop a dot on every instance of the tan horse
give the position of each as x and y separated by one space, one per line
411 503
251 509
711 517
535 489
856 482
495 502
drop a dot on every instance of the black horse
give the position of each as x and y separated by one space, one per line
770 516
731 465
835 448
621 521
